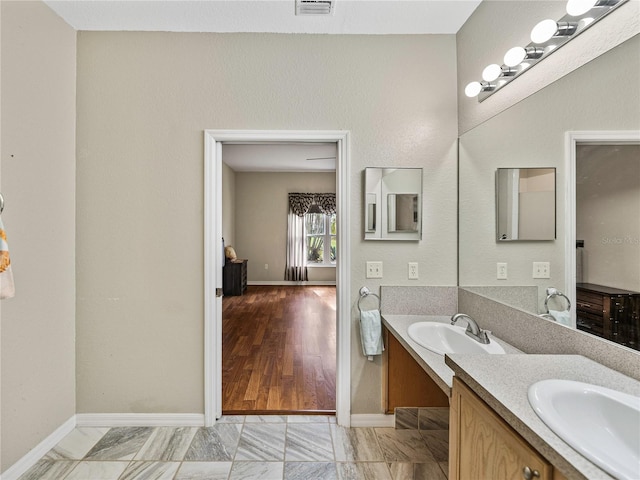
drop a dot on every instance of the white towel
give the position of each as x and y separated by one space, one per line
371 333
563 317
7 289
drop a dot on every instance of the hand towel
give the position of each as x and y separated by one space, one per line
7 289
563 317
371 333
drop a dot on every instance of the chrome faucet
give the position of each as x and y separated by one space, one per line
473 330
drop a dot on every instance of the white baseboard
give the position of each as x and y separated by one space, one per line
285 283
30 459
372 420
140 420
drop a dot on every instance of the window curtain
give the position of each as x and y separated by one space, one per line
299 204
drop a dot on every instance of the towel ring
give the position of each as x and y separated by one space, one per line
1 203
557 294
364 293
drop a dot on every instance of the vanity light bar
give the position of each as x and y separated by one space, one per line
546 37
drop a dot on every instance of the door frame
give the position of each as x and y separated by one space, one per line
213 258
572 139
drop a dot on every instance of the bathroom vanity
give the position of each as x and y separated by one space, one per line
494 432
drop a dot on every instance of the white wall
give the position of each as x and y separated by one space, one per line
262 205
38 183
144 100
608 214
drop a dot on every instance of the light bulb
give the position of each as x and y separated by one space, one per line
544 31
575 8
492 72
515 56
473 89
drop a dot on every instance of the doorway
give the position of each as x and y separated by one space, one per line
279 336
214 259
589 261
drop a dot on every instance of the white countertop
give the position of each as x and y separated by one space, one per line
431 362
502 381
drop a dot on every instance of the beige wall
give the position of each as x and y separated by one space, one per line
532 134
498 25
38 183
144 100
228 205
262 205
608 214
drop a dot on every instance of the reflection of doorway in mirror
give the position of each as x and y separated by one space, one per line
608 241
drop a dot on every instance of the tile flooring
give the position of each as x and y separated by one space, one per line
247 448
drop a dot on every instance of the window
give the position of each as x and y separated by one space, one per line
321 232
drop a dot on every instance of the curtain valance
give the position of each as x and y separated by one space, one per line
301 202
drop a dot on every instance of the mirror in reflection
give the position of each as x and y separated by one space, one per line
525 204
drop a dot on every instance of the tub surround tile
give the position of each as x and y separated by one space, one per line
262 442
167 444
257 471
356 444
77 443
97 471
215 444
310 470
403 445
309 442
204 471
121 443
150 471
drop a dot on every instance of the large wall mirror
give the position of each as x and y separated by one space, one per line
534 134
393 204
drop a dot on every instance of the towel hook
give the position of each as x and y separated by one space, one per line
364 293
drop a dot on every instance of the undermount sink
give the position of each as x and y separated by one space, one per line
601 424
443 338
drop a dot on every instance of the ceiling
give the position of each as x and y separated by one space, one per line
272 16
280 157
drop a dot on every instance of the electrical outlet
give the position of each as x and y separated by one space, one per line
374 269
413 270
502 271
266 266
541 270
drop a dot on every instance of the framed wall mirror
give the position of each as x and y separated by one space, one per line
393 204
525 204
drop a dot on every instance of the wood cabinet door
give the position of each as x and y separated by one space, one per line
487 447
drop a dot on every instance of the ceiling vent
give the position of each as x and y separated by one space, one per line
315 7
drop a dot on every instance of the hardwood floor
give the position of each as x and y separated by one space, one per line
279 350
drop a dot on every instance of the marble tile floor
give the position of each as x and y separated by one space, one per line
246 448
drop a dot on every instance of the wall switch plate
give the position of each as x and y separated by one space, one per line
374 269
541 270
501 271
413 270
